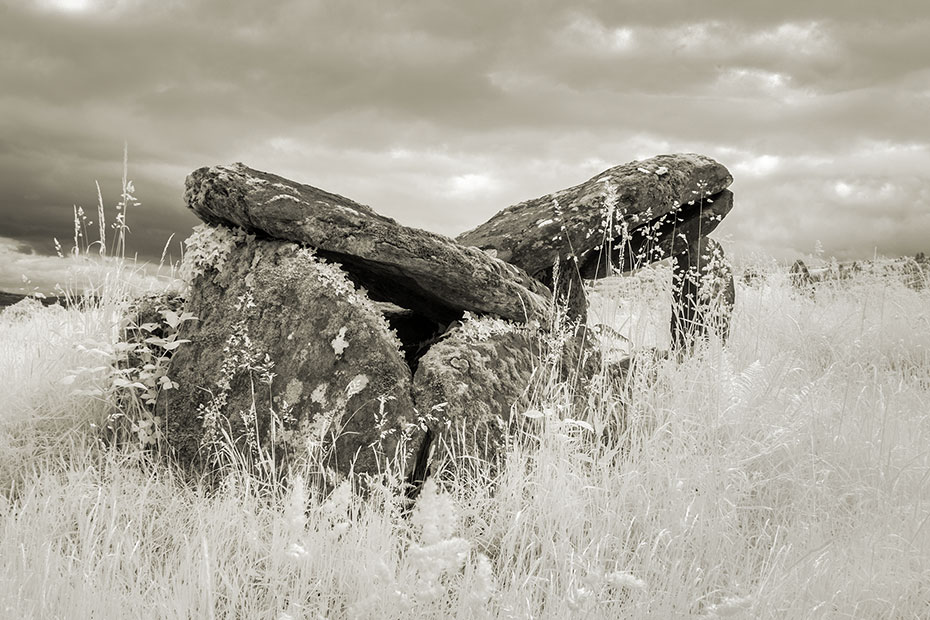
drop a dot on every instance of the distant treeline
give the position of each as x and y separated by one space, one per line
8 299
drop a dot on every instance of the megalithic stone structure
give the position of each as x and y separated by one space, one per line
623 218
324 324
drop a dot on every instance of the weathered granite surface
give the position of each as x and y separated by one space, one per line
588 220
665 237
467 383
422 271
286 356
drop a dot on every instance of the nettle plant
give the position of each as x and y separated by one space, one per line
140 369
130 373
208 247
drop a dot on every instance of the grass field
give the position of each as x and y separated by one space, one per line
784 475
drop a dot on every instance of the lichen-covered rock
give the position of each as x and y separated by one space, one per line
286 356
591 220
418 270
664 237
703 293
468 383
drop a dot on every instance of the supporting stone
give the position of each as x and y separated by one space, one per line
703 294
288 358
468 382
800 276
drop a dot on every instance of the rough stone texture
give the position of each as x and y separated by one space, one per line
569 291
467 383
268 310
418 270
667 236
703 293
586 220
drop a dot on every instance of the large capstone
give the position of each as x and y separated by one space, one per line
593 221
418 270
666 237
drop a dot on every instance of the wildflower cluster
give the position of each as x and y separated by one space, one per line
479 329
335 280
439 554
239 355
208 247
596 587
715 274
438 572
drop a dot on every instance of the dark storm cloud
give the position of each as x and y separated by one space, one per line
440 113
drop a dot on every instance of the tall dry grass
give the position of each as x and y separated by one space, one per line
784 475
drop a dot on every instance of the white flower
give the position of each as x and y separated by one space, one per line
622 579
296 551
336 506
297 504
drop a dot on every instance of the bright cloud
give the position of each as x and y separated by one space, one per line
758 166
470 184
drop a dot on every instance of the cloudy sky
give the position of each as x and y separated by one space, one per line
441 112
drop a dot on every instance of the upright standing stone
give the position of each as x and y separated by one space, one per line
703 293
468 382
285 356
800 277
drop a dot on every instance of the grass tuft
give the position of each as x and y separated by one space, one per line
782 475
